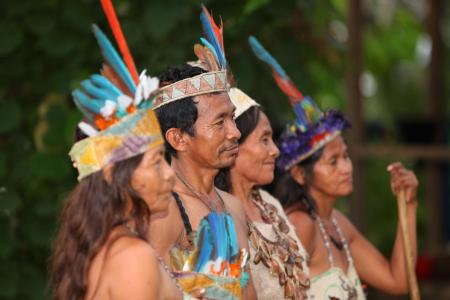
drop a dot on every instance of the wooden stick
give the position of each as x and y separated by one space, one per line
410 267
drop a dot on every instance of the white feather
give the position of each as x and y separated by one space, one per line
88 129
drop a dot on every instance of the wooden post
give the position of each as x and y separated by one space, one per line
356 134
435 113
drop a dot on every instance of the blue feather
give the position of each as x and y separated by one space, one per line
234 249
206 242
113 58
86 104
104 83
97 92
211 47
265 56
87 113
301 119
210 35
220 237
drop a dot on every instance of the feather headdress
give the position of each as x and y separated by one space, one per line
211 57
114 106
312 128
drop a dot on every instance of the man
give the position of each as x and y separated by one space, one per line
196 117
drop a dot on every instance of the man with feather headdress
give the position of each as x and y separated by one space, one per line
196 117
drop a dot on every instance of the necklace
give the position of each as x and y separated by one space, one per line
282 257
326 238
203 198
159 258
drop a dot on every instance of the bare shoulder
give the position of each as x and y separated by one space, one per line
346 225
233 203
302 221
133 266
304 227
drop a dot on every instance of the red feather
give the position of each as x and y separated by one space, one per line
110 13
218 31
288 87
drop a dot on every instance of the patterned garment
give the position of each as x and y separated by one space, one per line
266 284
214 262
335 284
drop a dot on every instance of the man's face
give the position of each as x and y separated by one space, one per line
215 142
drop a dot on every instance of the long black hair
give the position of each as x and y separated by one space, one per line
90 213
290 192
245 123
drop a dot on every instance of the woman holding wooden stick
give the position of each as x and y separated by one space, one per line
319 171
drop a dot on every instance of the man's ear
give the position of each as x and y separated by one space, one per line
176 138
298 174
107 172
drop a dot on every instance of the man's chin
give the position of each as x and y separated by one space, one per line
226 162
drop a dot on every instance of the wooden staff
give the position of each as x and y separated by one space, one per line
410 267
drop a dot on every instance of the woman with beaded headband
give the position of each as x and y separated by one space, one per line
105 244
277 258
319 171
196 117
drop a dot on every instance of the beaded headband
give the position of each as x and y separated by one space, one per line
116 107
204 83
312 128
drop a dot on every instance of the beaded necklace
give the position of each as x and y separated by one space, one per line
282 257
326 239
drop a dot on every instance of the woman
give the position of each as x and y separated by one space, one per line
278 259
315 156
104 249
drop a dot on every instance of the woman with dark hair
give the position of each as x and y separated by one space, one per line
105 247
278 259
319 171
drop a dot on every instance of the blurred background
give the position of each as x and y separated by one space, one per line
384 62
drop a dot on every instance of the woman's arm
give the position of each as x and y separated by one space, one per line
387 275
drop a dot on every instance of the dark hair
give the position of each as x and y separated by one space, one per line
290 192
78 135
91 212
245 123
180 114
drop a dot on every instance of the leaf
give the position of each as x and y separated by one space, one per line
35 278
41 23
37 230
160 17
9 116
10 38
48 166
2 164
253 5
10 201
10 280
7 244
59 44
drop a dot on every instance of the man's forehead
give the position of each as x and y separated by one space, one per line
214 104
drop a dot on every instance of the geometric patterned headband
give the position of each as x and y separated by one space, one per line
204 83
211 57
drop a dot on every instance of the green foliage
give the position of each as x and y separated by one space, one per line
47 48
